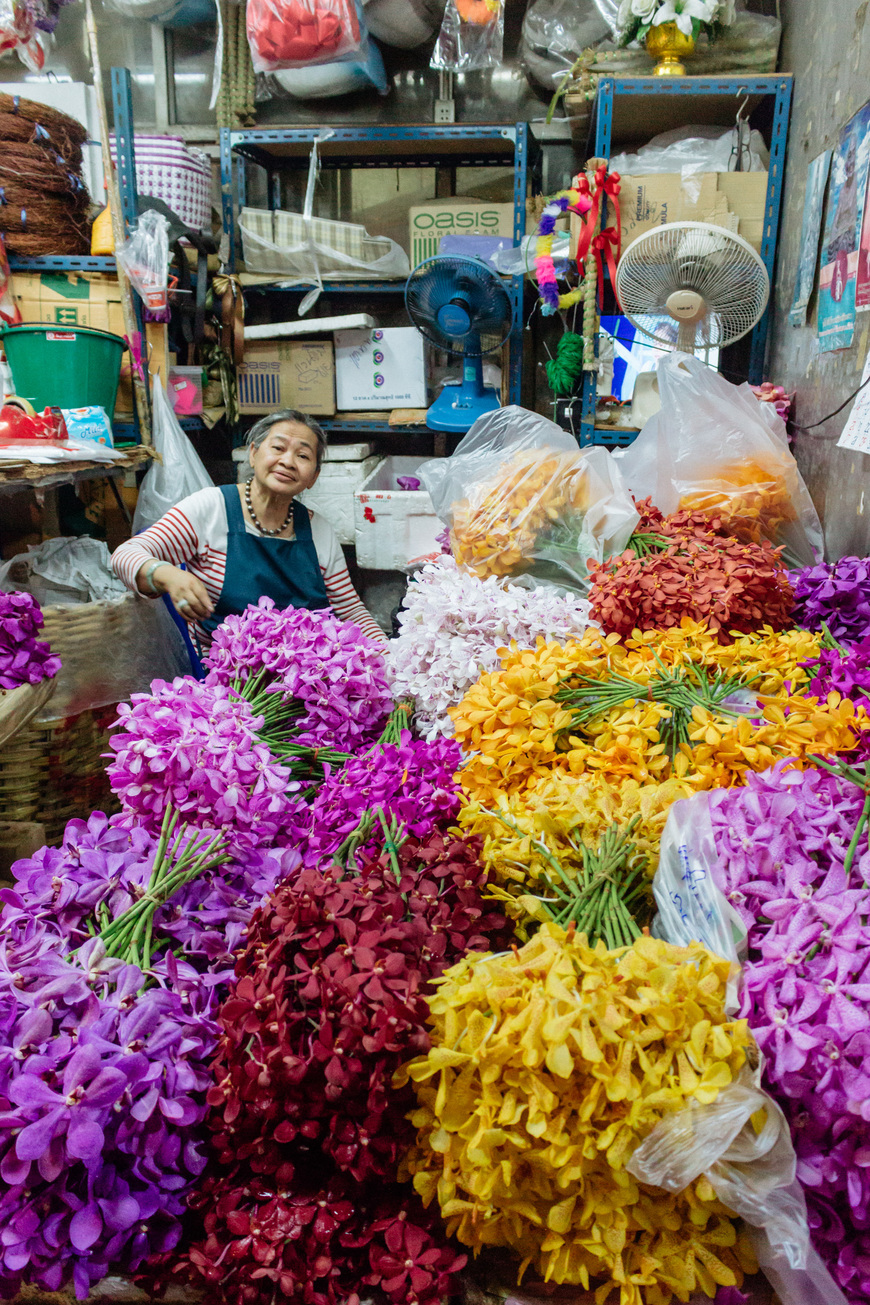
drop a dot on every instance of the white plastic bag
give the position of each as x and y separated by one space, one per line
180 472
471 36
753 1173
145 259
688 150
714 448
521 499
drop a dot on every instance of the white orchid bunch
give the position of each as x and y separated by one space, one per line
636 17
452 627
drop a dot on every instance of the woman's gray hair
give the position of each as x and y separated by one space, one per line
261 428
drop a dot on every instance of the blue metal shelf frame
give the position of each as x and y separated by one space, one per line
775 84
426 146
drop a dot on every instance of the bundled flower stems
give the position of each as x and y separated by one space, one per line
363 991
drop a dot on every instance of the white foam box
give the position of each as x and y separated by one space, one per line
394 527
333 493
380 369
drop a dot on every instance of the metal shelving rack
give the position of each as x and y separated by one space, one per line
630 110
426 146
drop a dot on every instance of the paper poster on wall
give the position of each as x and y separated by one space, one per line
862 280
837 281
856 432
814 202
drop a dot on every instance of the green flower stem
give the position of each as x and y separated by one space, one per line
859 828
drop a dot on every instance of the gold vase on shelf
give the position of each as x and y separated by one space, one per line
669 46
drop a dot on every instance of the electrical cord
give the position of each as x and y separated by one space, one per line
843 405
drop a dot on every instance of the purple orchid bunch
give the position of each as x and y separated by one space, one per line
411 782
24 659
196 747
794 861
835 595
103 1076
330 677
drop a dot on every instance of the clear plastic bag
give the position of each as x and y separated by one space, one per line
752 1170
521 499
145 259
301 248
471 36
180 472
322 81
555 34
714 448
298 33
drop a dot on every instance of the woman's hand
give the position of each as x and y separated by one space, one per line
189 596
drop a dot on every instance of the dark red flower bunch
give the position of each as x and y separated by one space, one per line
322 1241
683 566
307 1130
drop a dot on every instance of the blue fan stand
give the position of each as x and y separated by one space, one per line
458 407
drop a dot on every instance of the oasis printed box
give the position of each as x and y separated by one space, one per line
380 369
455 217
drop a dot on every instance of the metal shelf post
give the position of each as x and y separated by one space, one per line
122 104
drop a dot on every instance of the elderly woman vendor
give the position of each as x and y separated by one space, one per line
239 542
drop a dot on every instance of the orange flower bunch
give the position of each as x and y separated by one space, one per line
496 527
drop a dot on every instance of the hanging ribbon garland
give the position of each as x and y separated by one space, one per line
595 247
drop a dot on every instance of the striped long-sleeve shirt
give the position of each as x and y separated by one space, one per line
194 532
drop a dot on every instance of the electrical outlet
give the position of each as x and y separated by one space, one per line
445 111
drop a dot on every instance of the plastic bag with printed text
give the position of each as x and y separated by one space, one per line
298 33
471 36
522 500
714 448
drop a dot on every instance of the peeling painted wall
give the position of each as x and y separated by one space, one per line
826 44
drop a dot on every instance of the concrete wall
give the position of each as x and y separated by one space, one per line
826 44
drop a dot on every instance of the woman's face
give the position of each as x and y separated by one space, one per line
286 461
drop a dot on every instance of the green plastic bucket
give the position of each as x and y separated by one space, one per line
64 367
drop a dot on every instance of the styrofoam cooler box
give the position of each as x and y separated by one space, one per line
333 494
394 526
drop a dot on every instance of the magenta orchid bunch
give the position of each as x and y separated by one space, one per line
328 669
794 862
835 595
196 747
24 659
104 1068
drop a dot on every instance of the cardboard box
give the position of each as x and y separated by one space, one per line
380 369
288 374
77 299
733 200
454 217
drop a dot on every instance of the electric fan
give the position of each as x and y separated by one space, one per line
461 306
689 285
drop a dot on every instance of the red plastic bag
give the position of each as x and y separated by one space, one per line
296 33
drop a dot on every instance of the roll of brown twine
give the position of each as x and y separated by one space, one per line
33 133
52 120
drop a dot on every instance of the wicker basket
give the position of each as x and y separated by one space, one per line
54 772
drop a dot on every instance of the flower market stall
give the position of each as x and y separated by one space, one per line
522 957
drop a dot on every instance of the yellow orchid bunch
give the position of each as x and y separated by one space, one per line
523 832
495 529
518 726
752 500
548 1066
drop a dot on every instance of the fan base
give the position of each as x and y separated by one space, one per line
456 410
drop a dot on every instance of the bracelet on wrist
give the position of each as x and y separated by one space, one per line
149 573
